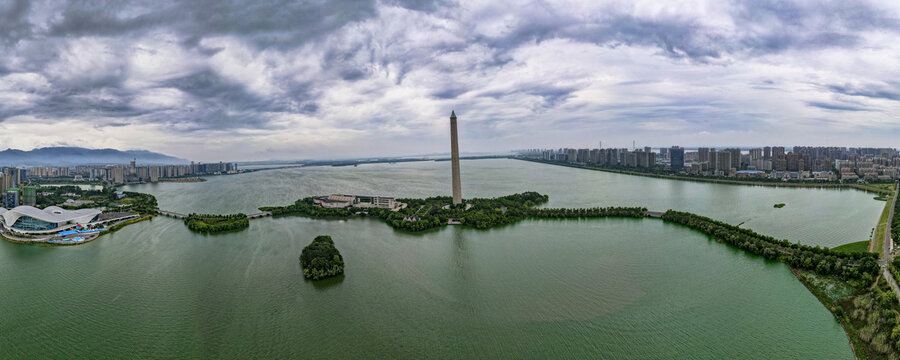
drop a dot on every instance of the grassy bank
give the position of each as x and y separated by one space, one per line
877 243
855 247
119 226
828 290
869 315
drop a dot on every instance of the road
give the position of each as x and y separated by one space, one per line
888 246
888 242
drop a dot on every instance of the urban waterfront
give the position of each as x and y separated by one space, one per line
825 217
536 289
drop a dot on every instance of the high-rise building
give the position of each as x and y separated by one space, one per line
154 173
11 198
30 195
595 156
703 154
676 154
583 156
767 153
723 161
117 175
777 151
454 159
735 157
756 154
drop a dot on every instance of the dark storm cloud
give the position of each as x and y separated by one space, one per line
13 25
674 37
787 27
266 23
449 93
248 65
836 106
222 104
875 91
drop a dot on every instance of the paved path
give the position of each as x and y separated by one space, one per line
888 246
172 214
891 281
888 242
259 215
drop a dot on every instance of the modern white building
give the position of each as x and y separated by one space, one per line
363 201
31 220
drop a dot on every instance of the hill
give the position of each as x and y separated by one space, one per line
57 156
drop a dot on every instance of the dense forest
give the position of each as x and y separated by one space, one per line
320 259
137 202
216 223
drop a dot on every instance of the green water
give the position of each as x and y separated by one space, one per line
826 217
608 288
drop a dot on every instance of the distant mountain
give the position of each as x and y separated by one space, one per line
65 156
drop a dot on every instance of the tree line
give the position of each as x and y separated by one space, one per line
320 259
210 223
856 268
434 212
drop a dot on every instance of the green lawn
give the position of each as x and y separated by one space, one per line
856 247
878 238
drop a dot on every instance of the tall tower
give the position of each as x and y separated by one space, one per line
454 160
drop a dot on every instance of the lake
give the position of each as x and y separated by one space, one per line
600 288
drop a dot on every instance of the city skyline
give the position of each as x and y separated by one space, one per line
287 81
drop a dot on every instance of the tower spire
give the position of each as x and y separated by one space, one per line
454 159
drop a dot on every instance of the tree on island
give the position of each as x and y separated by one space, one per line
320 259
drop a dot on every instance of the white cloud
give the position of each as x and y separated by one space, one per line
246 83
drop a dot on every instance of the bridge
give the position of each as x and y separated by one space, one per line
178 215
171 214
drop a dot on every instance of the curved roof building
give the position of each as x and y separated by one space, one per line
28 219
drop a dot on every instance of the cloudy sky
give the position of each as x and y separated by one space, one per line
254 80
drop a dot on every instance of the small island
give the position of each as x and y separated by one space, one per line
208 223
320 259
779 206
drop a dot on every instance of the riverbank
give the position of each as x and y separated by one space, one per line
822 294
53 240
864 187
183 180
876 244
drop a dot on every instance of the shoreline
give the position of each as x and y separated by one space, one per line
822 301
88 238
717 181
183 180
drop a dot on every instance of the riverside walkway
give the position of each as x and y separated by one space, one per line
178 215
